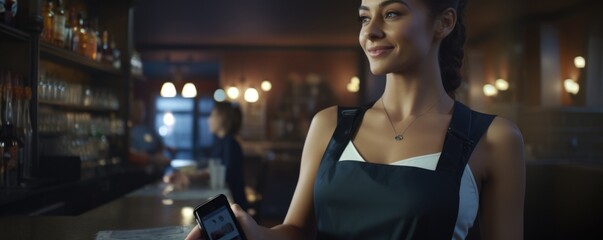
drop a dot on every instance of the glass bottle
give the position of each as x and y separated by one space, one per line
106 49
91 47
68 28
116 54
59 24
27 135
83 37
75 28
10 141
48 12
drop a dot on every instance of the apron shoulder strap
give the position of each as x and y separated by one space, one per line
465 130
348 121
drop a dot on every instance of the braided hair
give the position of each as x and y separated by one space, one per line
450 56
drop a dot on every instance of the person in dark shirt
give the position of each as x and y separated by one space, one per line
224 122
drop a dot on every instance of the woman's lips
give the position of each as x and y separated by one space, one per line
379 51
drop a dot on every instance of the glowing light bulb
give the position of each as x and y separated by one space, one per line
490 90
168 90
189 90
232 92
266 86
501 84
251 95
219 95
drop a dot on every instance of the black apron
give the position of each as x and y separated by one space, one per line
359 200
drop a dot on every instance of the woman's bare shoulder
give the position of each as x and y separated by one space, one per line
325 119
505 146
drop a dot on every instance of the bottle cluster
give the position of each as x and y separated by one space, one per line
70 27
15 132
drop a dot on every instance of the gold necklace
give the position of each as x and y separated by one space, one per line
400 136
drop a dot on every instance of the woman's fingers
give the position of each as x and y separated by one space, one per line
195 234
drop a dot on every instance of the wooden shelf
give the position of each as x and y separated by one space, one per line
56 54
79 108
13 33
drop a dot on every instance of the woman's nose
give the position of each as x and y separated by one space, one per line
373 30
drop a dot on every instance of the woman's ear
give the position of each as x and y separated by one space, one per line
445 23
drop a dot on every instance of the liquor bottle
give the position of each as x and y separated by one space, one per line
27 135
75 31
20 134
10 141
48 12
83 37
59 24
8 15
91 50
3 164
116 54
107 52
68 29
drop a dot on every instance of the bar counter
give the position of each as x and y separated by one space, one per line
152 206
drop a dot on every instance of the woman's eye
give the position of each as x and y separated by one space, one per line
391 14
363 19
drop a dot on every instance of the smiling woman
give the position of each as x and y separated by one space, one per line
424 166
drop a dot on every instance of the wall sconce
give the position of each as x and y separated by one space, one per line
571 86
189 90
579 62
232 92
168 90
354 85
251 95
490 90
219 95
501 84
266 85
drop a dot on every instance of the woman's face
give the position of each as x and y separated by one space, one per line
215 122
396 35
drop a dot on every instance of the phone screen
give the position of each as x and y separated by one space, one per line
219 225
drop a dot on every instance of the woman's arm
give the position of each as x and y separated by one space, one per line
299 222
503 187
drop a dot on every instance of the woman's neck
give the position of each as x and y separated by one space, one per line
413 94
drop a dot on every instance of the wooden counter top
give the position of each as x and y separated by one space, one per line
148 207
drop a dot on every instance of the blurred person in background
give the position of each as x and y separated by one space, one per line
146 146
416 163
224 123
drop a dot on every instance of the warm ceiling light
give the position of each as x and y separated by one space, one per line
355 80
490 90
571 86
251 95
232 92
168 90
266 86
580 62
353 87
189 90
354 84
219 95
501 84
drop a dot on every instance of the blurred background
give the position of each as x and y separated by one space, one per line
537 63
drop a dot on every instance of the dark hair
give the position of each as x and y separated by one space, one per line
450 56
232 116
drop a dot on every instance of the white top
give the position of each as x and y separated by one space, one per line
468 192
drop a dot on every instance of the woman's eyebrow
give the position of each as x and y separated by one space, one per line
384 4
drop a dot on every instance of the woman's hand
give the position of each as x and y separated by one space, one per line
251 229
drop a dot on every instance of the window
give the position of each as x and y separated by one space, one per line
175 122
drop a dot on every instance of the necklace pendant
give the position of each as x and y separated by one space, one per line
399 137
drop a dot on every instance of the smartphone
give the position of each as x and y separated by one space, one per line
217 220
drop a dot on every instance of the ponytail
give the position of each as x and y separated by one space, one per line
451 53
